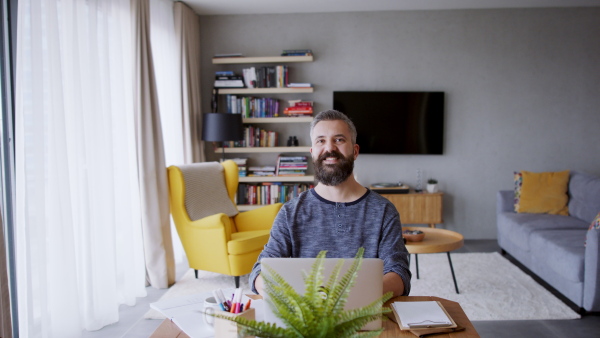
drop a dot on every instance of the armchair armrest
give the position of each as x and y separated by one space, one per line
505 201
257 219
591 278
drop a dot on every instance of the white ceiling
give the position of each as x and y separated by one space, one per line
225 7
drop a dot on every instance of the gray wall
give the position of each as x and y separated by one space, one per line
522 86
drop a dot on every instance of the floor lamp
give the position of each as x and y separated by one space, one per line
221 127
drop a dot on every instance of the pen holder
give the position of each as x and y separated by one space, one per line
227 329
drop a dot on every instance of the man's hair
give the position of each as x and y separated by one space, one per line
333 115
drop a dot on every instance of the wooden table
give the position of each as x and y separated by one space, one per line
435 241
168 329
454 310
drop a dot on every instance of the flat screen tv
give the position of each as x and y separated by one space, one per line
395 122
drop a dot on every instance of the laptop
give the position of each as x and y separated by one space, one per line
368 285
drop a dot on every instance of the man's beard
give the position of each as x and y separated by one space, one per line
333 174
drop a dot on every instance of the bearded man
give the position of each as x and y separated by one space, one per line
339 215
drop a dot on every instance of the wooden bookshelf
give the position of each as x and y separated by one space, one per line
258 179
261 59
241 91
283 119
235 150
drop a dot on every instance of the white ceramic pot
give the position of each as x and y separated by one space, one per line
432 188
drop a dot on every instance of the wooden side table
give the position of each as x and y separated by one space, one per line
435 241
418 208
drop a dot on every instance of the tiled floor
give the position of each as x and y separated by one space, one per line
133 325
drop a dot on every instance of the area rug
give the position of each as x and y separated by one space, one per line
491 287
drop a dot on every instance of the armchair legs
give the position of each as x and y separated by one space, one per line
237 279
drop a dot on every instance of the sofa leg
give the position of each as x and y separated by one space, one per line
237 281
196 273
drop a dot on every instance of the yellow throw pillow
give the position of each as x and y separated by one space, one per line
544 193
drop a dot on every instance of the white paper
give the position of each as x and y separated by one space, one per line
415 314
187 312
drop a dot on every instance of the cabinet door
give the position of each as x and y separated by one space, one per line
418 208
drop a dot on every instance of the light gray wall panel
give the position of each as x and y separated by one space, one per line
523 88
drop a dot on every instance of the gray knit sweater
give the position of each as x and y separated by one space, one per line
309 223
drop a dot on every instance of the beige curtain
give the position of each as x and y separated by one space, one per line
158 246
5 317
187 30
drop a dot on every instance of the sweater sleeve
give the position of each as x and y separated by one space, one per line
279 245
393 251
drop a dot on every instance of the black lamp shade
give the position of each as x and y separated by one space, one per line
219 127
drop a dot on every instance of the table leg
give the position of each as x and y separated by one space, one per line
417 264
452 270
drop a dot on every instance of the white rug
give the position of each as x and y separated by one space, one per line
491 288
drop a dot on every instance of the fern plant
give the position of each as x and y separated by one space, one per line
320 311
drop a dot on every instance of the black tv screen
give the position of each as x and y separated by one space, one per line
395 122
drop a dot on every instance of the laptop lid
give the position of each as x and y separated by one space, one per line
367 288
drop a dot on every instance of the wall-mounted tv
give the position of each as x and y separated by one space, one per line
395 122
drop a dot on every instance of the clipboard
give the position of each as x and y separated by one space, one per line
422 315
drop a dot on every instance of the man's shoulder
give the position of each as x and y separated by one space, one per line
378 198
302 198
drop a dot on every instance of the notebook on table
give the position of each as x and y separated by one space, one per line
367 288
422 315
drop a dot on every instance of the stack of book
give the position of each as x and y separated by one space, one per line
296 52
252 106
266 171
257 137
227 79
291 166
241 162
266 77
299 108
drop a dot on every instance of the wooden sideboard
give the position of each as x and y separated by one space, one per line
418 208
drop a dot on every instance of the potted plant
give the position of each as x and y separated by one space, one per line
432 185
312 314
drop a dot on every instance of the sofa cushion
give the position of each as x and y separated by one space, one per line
561 250
584 196
519 227
544 193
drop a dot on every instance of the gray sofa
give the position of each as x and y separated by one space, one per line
554 246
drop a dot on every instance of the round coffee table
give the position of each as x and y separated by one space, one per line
435 241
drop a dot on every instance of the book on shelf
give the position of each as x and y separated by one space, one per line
228 55
257 137
266 77
241 163
296 52
291 165
299 108
252 106
269 192
229 84
299 85
228 79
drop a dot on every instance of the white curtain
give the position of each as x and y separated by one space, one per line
78 237
168 84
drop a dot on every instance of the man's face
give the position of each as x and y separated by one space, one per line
332 152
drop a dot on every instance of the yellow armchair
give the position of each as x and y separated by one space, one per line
221 240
